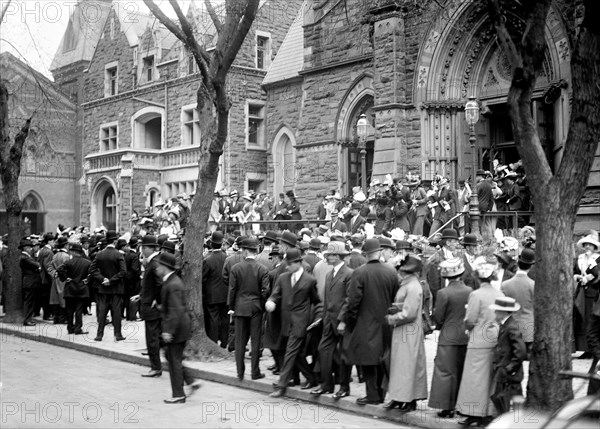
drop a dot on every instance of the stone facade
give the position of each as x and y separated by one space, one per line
136 133
49 171
410 67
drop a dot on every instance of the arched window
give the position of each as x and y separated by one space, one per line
109 209
284 167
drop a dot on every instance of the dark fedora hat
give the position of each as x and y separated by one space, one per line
168 245
61 242
290 194
412 264
371 245
314 244
449 234
168 260
134 240
121 242
403 245
289 239
356 205
249 243
84 239
25 243
504 257
386 242
527 256
111 236
293 255
271 236
76 247
47 237
149 241
470 240
216 238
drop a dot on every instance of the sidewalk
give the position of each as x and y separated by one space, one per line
224 371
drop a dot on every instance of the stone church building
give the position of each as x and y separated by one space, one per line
306 73
410 67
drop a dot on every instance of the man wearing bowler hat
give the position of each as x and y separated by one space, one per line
472 249
449 250
150 299
109 269
248 290
74 273
520 288
330 346
30 274
295 292
355 222
177 327
372 289
214 291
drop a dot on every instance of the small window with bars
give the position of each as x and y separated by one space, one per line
108 138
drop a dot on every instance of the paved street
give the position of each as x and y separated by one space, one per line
48 386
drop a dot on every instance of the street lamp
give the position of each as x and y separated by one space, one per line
472 117
362 129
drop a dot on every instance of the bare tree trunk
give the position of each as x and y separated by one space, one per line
556 197
10 169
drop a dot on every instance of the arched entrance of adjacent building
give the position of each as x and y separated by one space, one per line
104 205
33 213
358 100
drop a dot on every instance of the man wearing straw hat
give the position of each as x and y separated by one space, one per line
336 286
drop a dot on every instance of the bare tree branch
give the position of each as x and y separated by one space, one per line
4 9
213 15
191 43
232 48
189 32
507 43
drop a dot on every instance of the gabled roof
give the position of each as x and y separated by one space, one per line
82 35
133 23
290 58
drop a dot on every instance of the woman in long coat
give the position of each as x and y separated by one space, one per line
408 370
476 384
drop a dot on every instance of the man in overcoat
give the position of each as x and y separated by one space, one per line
177 327
30 274
371 292
74 273
150 299
214 291
109 269
336 286
248 290
295 292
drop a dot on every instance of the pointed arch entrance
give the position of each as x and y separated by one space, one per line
104 205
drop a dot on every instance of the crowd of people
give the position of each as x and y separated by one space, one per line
362 289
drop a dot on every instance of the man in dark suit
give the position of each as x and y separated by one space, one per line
510 351
214 291
150 299
109 270
30 274
132 277
74 272
336 224
311 257
356 258
371 292
355 221
44 258
248 290
295 292
336 286
177 327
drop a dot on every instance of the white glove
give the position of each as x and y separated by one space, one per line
270 306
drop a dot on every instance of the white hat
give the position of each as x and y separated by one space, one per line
397 234
591 238
360 197
505 303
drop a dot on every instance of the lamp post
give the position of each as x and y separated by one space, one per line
472 117
362 129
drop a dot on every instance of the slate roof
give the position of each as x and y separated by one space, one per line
290 57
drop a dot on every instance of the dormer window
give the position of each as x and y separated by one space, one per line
149 72
263 50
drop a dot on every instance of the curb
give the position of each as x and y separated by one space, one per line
419 418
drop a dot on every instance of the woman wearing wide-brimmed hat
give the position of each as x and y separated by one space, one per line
476 384
587 279
408 371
